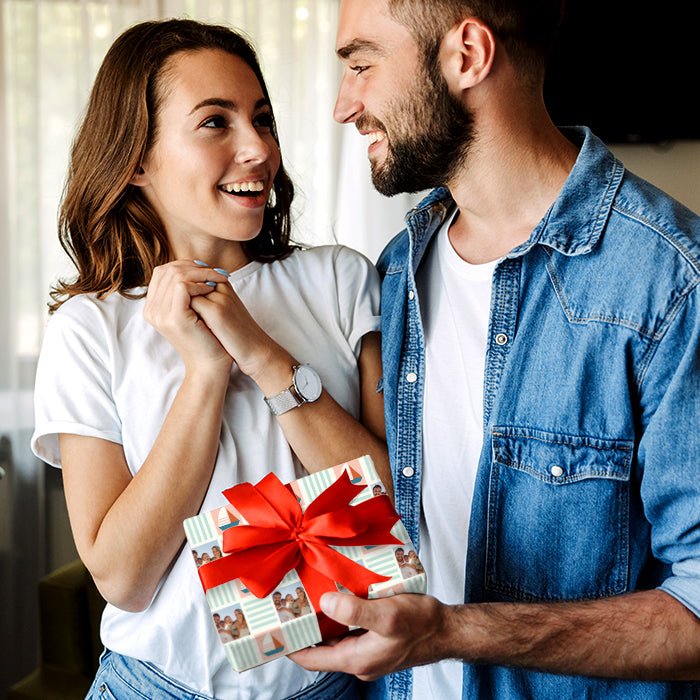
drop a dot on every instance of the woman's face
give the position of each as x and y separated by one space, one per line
214 160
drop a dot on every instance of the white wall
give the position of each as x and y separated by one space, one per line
674 168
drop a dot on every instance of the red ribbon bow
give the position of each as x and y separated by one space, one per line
281 537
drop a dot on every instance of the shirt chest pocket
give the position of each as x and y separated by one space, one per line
558 518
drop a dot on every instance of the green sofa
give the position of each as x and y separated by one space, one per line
70 608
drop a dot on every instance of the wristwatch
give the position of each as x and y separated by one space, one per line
306 387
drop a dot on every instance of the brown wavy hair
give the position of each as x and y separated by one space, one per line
106 226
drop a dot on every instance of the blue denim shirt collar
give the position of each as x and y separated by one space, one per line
568 226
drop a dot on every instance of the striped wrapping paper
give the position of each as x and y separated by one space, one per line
255 631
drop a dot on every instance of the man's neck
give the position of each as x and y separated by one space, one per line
505 188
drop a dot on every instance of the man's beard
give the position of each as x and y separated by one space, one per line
431 134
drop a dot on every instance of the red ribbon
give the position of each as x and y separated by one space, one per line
282 537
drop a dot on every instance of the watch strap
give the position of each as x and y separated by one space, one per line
284 401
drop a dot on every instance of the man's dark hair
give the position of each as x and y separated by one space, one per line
526 28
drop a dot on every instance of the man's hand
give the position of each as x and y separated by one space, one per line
646 635
401 631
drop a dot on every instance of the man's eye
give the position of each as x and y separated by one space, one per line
215 122
359 69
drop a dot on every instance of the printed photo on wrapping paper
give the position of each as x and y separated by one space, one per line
206 553
408 563
243 592
272 644
378 490
291 602
230 623
356 476
224 517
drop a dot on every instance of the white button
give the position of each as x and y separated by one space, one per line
501 339
408 472
556 470
411 377
411 295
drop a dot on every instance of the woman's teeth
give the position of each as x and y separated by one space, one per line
239 187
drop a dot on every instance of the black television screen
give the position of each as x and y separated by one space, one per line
627 71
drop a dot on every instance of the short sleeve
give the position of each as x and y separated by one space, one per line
73 387
358 295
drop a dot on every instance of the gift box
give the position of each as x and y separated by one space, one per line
267 555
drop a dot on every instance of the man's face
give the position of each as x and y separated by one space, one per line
396 95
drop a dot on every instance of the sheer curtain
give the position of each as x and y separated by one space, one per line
49 53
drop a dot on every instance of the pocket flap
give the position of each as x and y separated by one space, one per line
561 459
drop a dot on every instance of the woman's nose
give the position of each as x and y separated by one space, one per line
252 146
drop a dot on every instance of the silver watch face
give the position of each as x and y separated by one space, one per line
307 382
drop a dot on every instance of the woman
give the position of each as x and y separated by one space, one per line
240 623
189 352
291 604
302 601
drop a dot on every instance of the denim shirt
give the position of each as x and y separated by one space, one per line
588 484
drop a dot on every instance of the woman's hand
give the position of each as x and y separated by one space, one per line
170 310
229 320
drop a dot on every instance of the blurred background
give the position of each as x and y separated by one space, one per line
49 53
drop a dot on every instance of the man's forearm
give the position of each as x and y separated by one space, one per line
645 635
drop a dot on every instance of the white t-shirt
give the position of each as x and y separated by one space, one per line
455 298
105 372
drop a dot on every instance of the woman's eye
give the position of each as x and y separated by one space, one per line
215 122
263 120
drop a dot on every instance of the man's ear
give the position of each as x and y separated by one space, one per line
467 54
139 178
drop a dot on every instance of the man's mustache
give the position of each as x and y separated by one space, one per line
369 123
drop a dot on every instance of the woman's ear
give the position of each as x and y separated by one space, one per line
139 178
467 54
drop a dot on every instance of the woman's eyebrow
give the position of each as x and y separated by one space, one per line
226 104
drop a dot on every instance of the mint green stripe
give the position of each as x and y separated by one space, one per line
417 584
399 531
382 561
221 596
199 530
260 614
314 484
291 578
354 553
243 653
368 469
302 632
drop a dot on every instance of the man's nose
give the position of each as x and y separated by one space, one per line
348 106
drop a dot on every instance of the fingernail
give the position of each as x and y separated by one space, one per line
221 271
200 263
211 284
328 603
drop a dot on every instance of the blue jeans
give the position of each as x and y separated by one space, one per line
124 678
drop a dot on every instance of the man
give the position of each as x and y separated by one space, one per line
541 317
